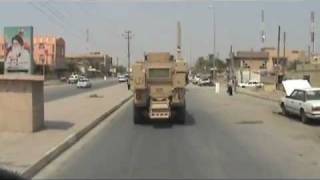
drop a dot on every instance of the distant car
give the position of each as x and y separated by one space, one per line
301 99
123 78
84 83
251 83
195 80
205 82
73 79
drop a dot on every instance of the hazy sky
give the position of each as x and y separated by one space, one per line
153 24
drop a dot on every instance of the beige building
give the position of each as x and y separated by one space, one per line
92 64
2 49
290 56
248 64
50 51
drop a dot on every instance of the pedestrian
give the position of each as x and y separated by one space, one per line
229 88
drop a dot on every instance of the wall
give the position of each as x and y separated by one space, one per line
314 76
247 75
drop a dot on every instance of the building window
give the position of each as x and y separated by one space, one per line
274 61
41 45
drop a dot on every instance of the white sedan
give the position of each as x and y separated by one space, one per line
84 83
251 83
122 78
303 101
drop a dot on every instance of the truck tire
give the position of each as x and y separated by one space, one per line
138 116
180 117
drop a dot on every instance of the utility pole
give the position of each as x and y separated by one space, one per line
232 71
214 34
263 33
312 33
284 54
284 44
128 36
278 58
87 40
117 66
278 47
179 56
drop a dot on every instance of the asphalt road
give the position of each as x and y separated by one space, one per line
55 92
224 137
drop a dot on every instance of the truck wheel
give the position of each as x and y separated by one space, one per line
304 118
138 116
180 115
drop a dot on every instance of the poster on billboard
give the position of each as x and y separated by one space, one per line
19 49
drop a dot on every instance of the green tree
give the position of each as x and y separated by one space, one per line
204 65
121 69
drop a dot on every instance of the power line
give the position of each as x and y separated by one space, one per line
51 14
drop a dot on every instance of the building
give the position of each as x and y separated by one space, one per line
248 64
92 64
49 51
2 53
2 49
290 56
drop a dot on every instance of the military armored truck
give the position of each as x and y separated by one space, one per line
158 83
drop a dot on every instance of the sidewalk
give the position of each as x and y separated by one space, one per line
274 96
66 120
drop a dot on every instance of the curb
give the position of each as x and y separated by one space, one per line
68 142
260 97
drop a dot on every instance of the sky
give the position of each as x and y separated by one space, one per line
153 24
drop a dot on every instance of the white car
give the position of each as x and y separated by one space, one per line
205 82
122 78
301 99
84 83
251 83
196 80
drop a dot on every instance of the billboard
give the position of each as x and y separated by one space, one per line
19 49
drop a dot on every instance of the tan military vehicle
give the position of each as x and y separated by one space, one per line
158 84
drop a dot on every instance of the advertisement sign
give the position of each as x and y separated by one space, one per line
19 49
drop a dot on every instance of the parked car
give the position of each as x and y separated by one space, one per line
251 83
301 99
73 79
122 78
84 83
